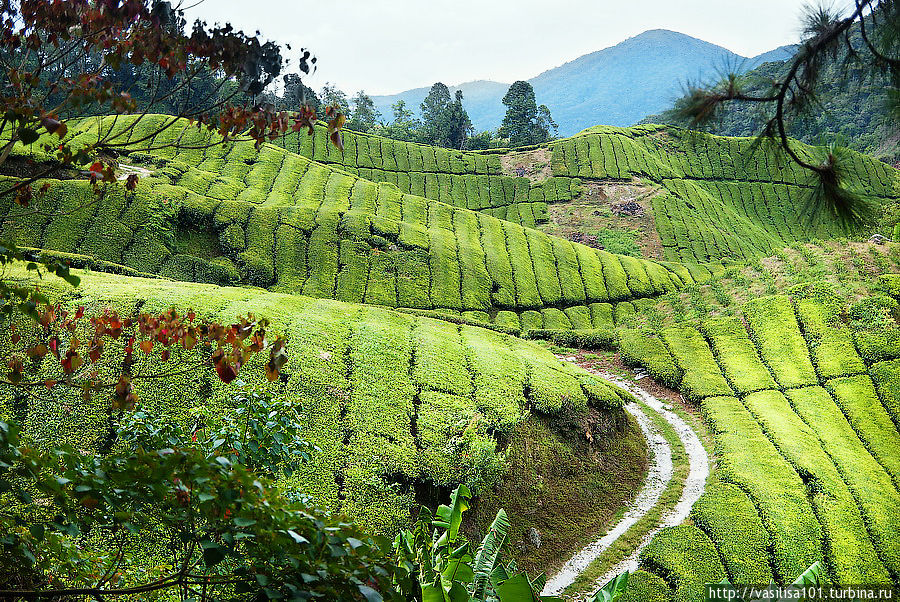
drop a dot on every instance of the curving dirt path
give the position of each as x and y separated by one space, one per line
658 478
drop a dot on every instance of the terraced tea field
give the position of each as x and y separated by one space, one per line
229 215
396 404
720 198
407 279
464 179
805 427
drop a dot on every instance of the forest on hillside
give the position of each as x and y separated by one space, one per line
852 107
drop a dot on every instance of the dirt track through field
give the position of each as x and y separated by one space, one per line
658 478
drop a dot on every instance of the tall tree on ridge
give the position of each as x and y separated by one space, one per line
523 124
404 125
434 115
459 126
364 115
298 94
332 96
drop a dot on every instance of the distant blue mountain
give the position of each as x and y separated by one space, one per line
614 86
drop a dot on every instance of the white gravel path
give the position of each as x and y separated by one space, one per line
658 478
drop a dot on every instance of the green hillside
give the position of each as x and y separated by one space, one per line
405 282
720 198
469 180
398 405
270 218
804 415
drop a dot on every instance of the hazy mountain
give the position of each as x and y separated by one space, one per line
614 86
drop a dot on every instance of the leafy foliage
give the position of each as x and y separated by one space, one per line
445 121
525 123
439 566
213 528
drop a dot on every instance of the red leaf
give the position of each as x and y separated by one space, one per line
131 182
225 371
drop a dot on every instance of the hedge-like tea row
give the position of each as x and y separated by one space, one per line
393 401
859 401
727 515
870 485
686 559
737 355
852 556
288 224
751 461
774 327
722 198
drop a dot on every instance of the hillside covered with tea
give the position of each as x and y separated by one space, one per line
408 280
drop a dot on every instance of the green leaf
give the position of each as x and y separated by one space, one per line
213 553
515 589
369 594
613 590
241 521
432 593
811 576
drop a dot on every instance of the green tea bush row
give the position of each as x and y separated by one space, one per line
391 400
702 375
774 329
857 398
729 518
849 551
750 460
737 355
686 559
870 485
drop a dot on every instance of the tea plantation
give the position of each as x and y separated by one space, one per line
231 215
396 404
407 279
804 417
720 198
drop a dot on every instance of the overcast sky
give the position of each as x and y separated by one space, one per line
386 46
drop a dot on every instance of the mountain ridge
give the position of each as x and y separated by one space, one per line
590 89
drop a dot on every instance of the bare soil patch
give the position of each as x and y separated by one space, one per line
594 209
532 164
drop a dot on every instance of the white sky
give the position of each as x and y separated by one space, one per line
387 46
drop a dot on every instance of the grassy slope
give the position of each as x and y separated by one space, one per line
720 199
806 436
399 405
